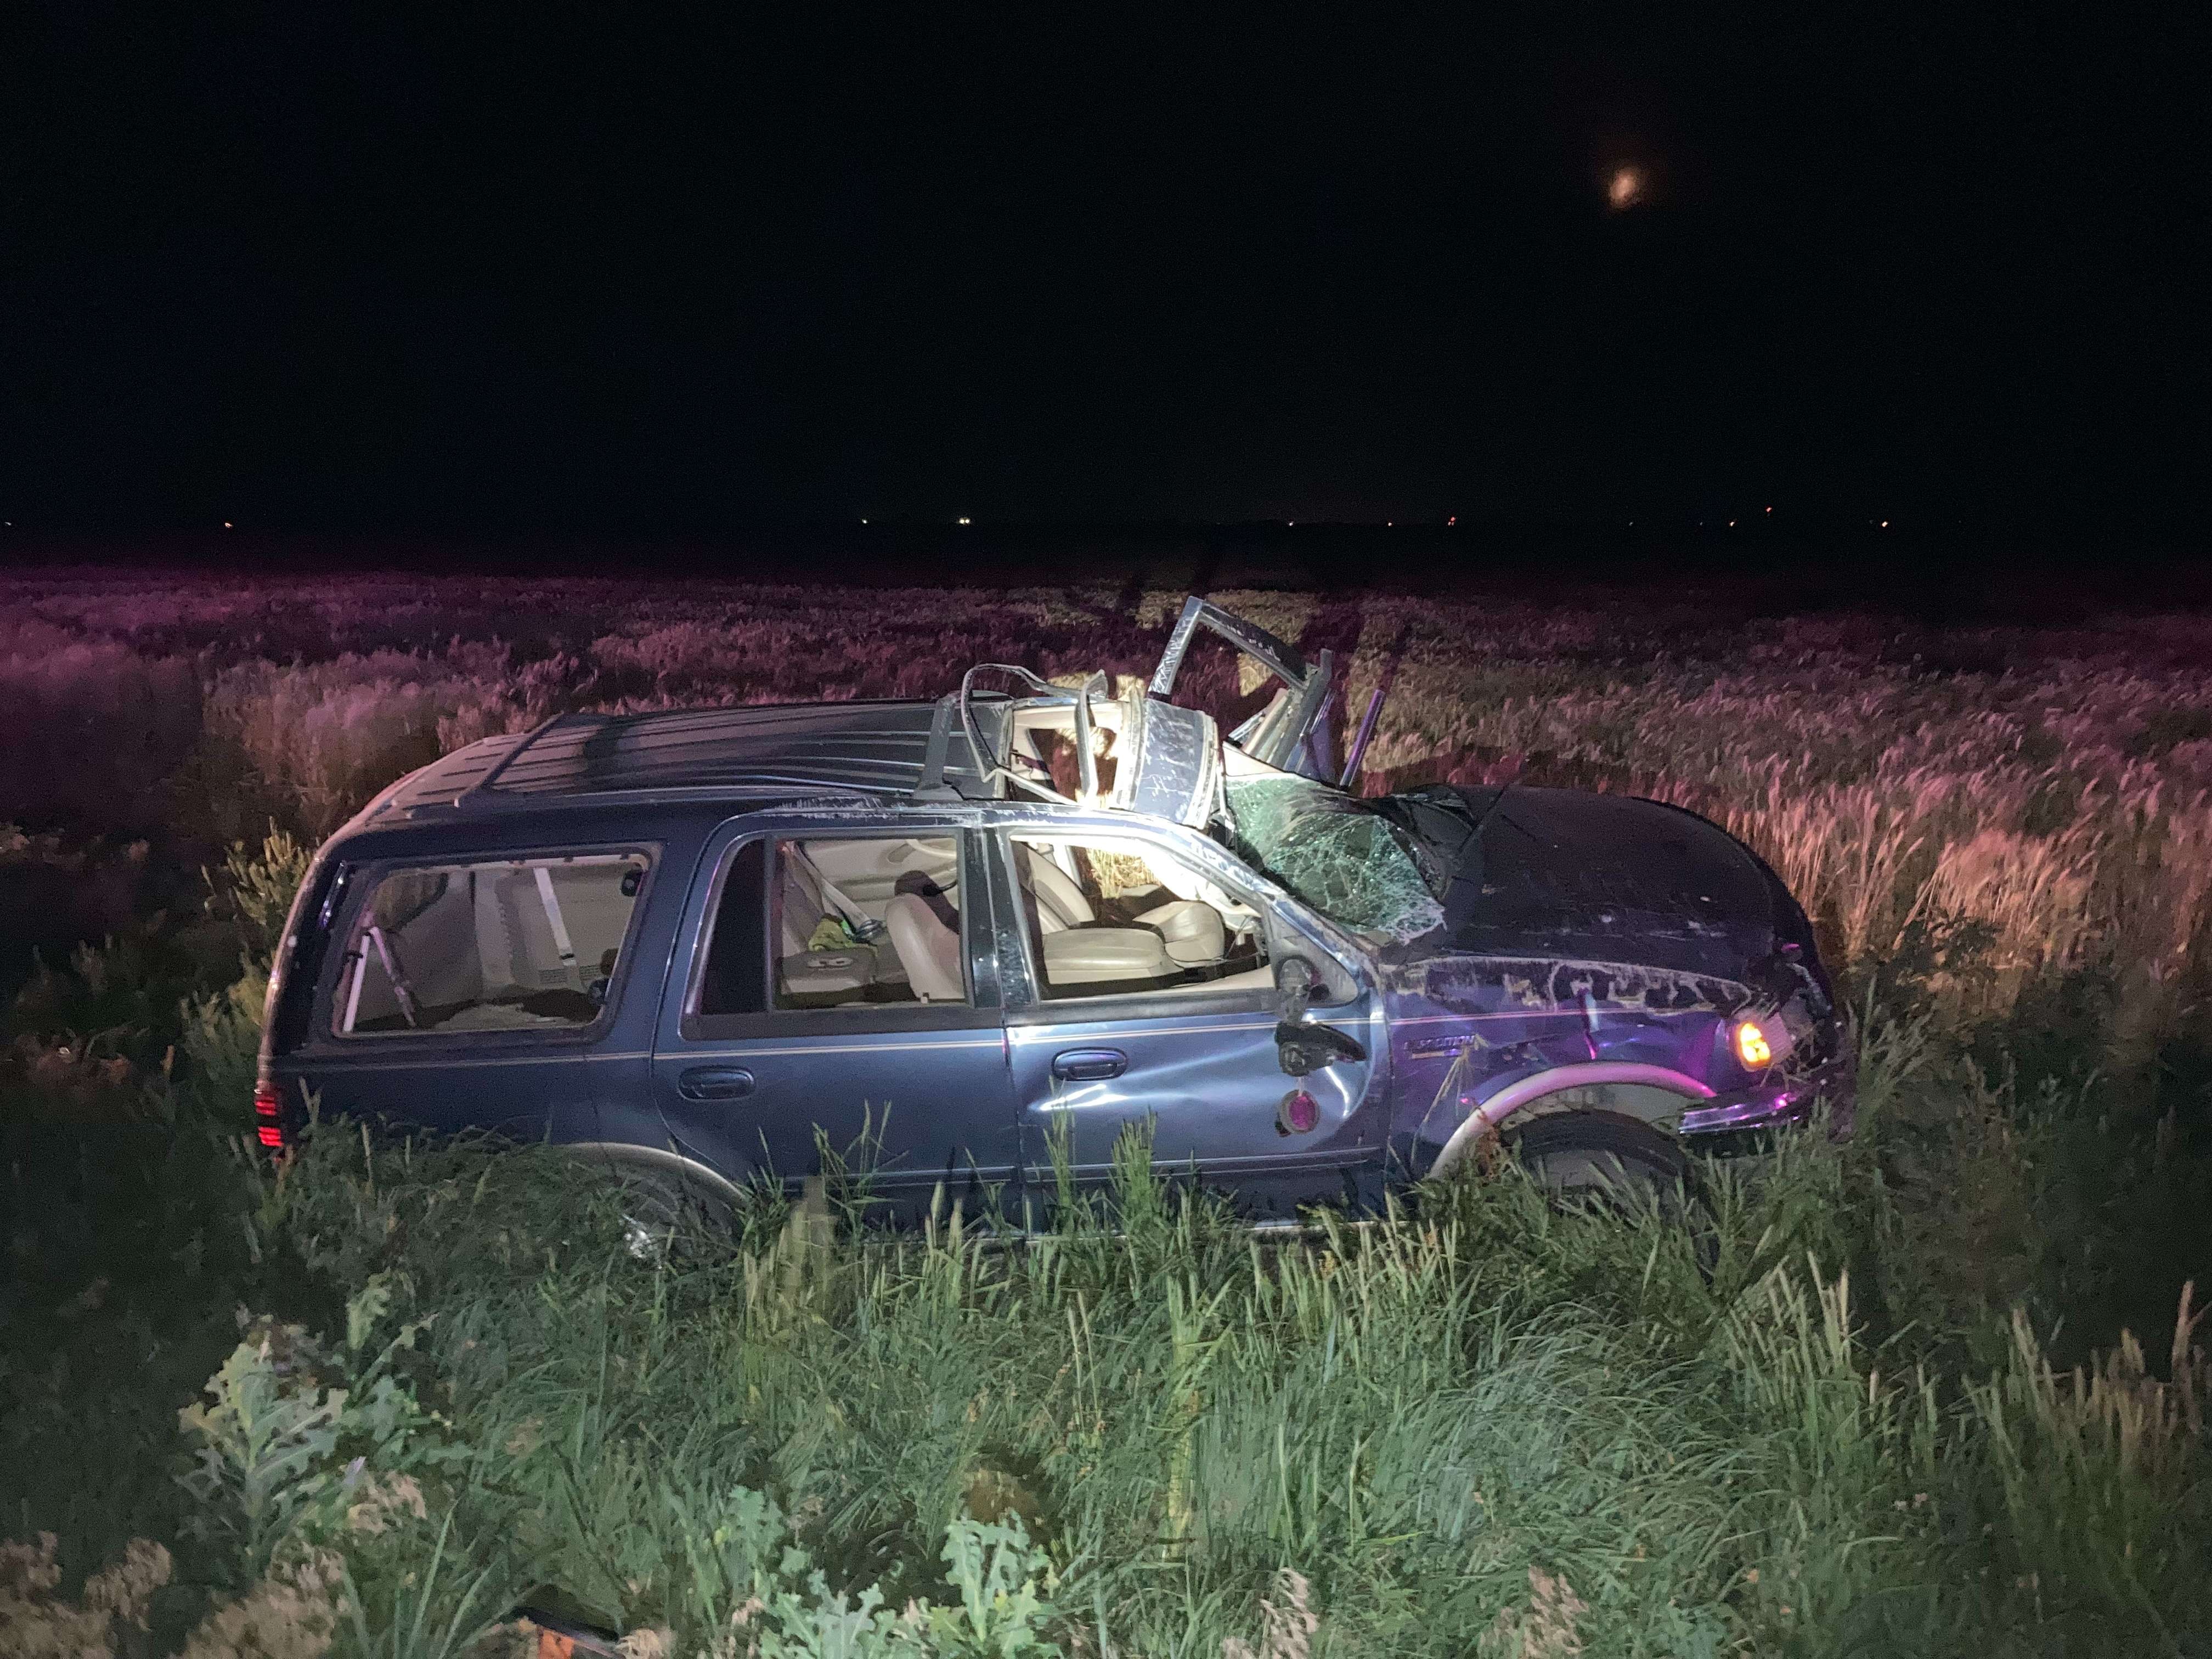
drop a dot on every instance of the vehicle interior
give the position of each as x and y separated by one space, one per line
1109 917
491 946
867 920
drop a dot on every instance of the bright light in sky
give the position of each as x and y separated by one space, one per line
1625 188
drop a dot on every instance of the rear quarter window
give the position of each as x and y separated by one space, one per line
488 945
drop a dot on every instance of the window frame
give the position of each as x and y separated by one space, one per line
355 885
1039 1009
980 1011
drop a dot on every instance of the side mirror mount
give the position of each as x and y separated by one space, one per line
1301 1046
1303 1049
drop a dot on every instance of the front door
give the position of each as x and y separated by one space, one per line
831 1008
1149 1007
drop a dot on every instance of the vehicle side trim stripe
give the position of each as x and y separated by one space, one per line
353 1062
1036 1033
692 1050
1397 1020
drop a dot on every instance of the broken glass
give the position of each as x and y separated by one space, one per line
1336 854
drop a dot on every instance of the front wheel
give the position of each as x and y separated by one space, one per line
1602 1160
1603 1155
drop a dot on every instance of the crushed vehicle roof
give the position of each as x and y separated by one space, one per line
972 745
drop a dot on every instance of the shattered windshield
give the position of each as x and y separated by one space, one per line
1336 854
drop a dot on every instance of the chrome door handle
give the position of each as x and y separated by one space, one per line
1089 1064
714 1083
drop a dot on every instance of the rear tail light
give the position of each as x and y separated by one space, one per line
269 1116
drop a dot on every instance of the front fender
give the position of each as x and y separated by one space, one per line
1486 1103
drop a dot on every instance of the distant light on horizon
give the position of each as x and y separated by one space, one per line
966 520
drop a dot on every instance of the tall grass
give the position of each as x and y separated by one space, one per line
1487 1426
94 731
325 736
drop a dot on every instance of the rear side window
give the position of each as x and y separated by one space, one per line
864 921
835 923
509 945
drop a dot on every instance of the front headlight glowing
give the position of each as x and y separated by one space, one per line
1752 1046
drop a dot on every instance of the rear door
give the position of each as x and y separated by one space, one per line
832 1000
1190 1058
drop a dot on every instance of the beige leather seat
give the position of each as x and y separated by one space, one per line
1101 956
1193 930
1077 951
929 949
1061 904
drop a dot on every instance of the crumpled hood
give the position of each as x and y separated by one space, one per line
1593 877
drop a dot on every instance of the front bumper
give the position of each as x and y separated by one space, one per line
1786 1103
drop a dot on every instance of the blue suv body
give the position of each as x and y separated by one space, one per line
967 933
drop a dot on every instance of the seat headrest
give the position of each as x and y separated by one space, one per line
919 884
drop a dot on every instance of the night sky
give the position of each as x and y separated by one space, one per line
448 269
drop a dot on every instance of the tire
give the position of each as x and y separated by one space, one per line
666 1214
1587 1151
1601 1160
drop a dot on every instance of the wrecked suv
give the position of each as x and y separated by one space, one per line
984 933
